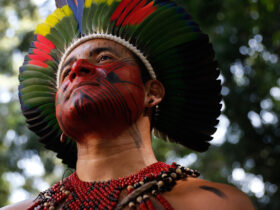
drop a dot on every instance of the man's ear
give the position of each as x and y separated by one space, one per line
154 93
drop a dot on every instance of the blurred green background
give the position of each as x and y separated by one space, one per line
246 150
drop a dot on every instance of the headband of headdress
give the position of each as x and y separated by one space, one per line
164 37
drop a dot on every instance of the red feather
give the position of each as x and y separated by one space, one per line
126 12
37 58
119 9
44 40
38 63
42 46
140 15
139 6
133 12
42 54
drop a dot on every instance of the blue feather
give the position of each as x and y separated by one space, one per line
21 69
78 11
60 3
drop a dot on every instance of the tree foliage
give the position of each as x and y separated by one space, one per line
246 38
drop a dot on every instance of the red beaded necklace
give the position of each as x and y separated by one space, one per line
72 193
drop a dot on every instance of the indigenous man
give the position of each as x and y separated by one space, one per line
98 77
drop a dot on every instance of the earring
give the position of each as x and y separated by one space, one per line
62 138
156 108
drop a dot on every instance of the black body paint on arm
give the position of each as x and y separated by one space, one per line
214 190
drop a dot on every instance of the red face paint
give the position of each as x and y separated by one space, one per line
99 99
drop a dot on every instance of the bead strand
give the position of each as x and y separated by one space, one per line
164 202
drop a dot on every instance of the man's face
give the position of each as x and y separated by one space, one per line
100 89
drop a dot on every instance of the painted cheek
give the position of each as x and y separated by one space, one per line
60 103
131 87
134 100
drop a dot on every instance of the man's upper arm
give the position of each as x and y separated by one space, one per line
200 194
238 200
222 197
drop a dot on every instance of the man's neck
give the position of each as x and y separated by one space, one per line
102 159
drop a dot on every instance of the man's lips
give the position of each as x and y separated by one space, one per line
70 91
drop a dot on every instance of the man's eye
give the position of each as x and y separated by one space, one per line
104 58
65 74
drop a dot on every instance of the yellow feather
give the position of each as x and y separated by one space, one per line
99 1
96 1
109 2
88 3
51 20
43 29
66 9
59 13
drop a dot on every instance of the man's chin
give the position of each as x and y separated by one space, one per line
79 128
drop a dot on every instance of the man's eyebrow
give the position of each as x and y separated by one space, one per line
68 61
98 50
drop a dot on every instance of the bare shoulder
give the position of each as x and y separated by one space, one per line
20 205
196 194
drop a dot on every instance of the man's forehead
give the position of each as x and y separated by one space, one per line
101 44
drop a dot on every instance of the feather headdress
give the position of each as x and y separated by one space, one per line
164 37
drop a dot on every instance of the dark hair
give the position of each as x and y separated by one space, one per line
145 76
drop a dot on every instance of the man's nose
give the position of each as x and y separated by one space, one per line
81 68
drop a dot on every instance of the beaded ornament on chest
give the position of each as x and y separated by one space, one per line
72 193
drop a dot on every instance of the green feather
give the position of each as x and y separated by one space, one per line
88 21
35 94
53 123
35 74
68 27
35 102
49 70
38 88
175 30
164 27
53 64
86 15
110 24
104 21
175 41
37 81
97 16
56 40
155 18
